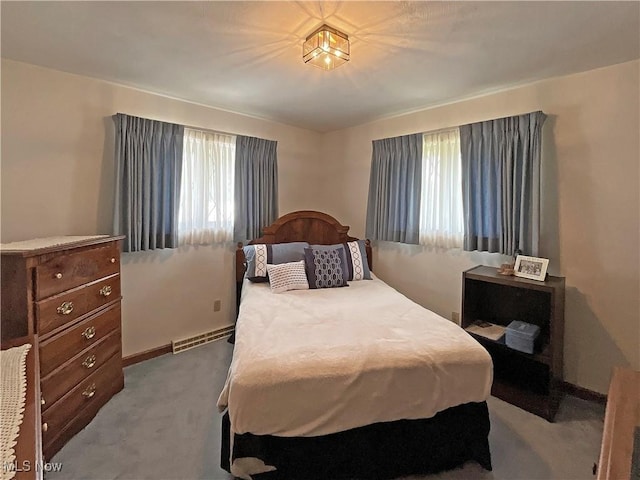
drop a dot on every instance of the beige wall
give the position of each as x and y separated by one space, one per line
57 179
590 225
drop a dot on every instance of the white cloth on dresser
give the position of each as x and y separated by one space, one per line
38 243
13 385
316 362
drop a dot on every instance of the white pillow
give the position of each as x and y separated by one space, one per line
287 276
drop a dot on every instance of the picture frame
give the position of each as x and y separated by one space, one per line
533 268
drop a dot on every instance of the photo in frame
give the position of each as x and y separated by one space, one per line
533 268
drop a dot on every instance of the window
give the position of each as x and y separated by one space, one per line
441 217
206 211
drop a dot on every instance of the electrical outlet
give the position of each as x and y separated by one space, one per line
455 317
216 305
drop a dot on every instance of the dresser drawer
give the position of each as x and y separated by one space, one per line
73 269
91 392
57 311
66 345
78 368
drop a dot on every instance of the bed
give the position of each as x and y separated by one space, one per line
356 382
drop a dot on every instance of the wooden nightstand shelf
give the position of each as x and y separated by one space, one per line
530 381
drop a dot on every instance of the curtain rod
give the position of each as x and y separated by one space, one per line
219 132
458 126
440 130
191 127
208 130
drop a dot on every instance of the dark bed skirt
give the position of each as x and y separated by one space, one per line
378 451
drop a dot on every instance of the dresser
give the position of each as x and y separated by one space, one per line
66 290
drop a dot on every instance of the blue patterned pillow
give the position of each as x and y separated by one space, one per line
326 266
356 256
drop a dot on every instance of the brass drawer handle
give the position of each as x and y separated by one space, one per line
105 291
89 362
113 260
58 275
45 427
90 391
65 309
89 332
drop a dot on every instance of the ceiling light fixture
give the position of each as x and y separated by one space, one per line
326 48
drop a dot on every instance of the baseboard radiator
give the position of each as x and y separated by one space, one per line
178 346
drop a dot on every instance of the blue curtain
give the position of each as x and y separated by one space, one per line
501 184
393 209
148 162
256 186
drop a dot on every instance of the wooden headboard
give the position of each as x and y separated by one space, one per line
316 228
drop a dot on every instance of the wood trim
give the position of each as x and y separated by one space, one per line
241 263
16 301
146 355
620 422
305 226
583 393
272 230
367 247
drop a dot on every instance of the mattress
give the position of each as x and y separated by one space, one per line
316 362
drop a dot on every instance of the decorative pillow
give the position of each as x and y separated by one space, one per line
357 262
326 266
258 256
287 276
356 255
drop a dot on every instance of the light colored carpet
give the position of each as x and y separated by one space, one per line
164 425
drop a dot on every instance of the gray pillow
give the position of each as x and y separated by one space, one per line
258 256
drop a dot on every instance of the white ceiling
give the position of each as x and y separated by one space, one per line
246 56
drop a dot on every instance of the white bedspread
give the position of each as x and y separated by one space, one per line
315 362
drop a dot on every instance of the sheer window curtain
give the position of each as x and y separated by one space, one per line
441 214
207 189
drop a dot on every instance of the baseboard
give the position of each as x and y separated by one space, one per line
584 393
146 355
